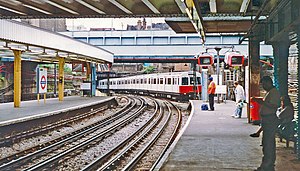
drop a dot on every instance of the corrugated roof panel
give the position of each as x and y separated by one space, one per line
13 31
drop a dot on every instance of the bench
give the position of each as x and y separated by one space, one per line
290 137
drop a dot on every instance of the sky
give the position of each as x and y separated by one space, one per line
117 23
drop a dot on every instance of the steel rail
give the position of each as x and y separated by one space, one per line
45 163
139 156
17 160
173 136
100 161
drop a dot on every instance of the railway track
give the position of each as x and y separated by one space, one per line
135 138
14 162
144 149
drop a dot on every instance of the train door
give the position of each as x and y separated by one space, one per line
175 85
160 84
168 84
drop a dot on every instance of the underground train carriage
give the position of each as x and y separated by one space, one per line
172 85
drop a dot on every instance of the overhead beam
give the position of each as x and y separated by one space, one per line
12 10
181 6
61 7
151 7
37 9
244 6
120 6
90 6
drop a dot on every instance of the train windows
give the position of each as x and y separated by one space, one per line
154 81
161 80
169 81
145 80
185 81
142 82
133 81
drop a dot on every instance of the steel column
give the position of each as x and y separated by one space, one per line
298 98
93 79
276 65
17 78
61 78
254 67
281 54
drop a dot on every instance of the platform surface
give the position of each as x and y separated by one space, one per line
32 108
214 141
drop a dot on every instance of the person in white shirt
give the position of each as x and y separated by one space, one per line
239 99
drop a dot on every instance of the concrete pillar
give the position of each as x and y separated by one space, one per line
61 78
17 78
281 54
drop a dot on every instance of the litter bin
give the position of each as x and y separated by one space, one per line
254 111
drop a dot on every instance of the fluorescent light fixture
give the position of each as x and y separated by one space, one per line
213 6
37 9
120 6
11 10
90 7
244 6
149 5
61 7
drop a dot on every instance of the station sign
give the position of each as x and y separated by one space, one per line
42 80
234 59
205 60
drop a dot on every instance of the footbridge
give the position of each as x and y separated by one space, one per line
161 46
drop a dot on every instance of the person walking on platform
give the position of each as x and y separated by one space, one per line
211 93
269 123
239 99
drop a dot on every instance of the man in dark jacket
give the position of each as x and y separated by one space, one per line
269 123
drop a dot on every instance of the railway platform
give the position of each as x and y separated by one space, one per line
34 109
214 141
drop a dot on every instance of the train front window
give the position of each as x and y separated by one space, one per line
191 80
185 81
198 81
236 60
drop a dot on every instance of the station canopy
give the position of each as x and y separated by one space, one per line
184 16
45 46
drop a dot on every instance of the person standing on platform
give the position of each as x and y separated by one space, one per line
269 123
239 99
211 93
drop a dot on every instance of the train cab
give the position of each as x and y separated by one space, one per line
205 60
234 59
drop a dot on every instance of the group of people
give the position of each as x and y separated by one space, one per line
275 111
239 97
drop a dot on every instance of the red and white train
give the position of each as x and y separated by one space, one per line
174 85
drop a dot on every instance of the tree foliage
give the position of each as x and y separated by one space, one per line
149 69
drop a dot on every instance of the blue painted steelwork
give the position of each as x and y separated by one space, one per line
155 43
298 98
93 77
